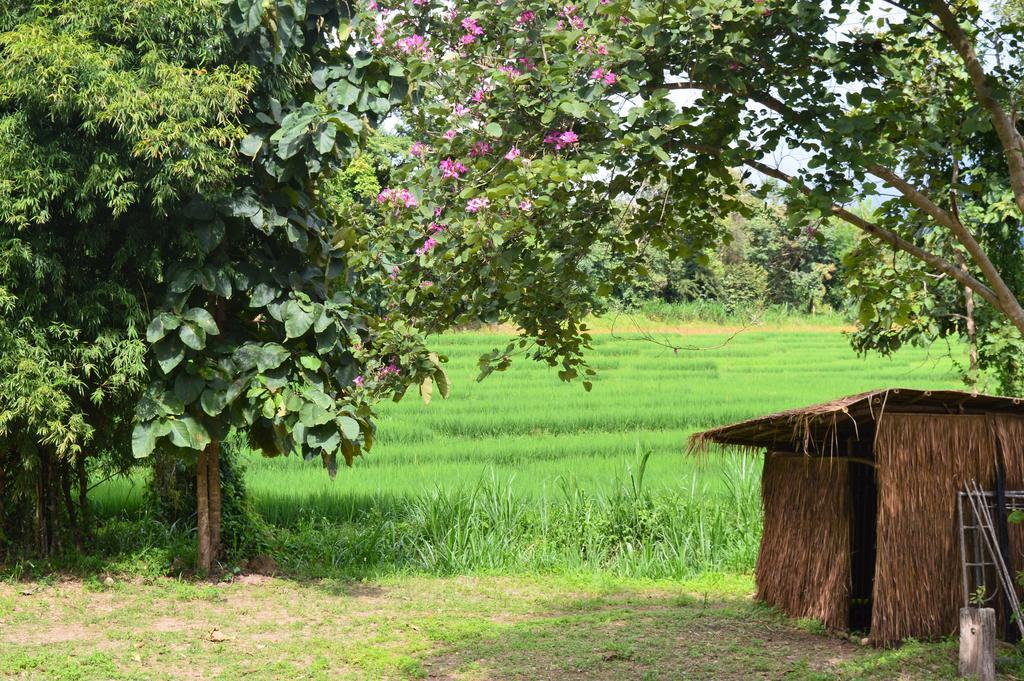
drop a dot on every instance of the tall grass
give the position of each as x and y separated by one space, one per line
492 527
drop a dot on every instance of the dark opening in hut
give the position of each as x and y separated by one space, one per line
860 504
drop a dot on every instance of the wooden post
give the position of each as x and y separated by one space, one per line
978 643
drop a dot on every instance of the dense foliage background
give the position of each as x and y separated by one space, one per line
204 238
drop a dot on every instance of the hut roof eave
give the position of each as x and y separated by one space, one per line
817 429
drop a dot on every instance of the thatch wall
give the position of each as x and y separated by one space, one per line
1010 432
804 564
923 461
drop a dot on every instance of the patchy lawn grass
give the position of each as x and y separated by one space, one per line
468 628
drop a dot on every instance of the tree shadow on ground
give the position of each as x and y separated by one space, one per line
627 635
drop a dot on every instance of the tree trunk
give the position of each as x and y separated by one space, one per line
52 511
972 334
203 514
40 509
69 504
46 505
84 512
3 487
213 482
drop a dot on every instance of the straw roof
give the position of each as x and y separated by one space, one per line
818 428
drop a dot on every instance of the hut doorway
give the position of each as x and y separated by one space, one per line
863 543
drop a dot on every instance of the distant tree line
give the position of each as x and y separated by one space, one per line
764 261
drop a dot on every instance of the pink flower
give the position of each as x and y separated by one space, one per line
418 149
420 2
451 170
438 211
525 18
400 198
476 205
473 30
577 23
426 283
390 369
470 25
511 71
359 381
450 135
561 139
526 205
460 110
479 94
435 228
394 272
412 44
372 5
512 154
602 49
480 148
427 246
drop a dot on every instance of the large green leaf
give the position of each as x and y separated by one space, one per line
262 295
326 438
246 15
187 387
188 432
169 353
192 335
270 356
296 320
143 440
349 427
161 324
202 319
314 415
251 145
213 402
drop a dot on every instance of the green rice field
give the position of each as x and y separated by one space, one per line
528 427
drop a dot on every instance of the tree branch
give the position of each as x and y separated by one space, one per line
872 229
1008 301
1013 144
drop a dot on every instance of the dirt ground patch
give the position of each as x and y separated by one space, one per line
466 628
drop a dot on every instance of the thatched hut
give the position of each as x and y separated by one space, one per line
860 504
